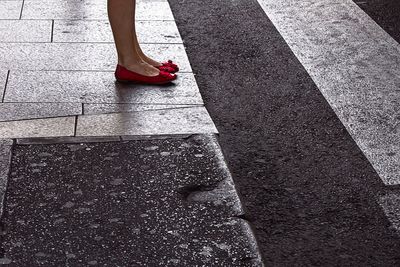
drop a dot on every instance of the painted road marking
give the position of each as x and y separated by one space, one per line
355 64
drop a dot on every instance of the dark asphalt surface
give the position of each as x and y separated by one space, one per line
309 192
150 202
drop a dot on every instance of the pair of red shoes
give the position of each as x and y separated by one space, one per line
166 75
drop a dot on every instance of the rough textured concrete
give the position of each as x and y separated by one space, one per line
25 30
96 87
166 202
23 111
155 122
100 31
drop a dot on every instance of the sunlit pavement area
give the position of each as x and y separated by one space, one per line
57 61
98 173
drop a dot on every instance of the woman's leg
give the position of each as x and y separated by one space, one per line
121 14
140 51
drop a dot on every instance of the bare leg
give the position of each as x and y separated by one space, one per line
121 14
140 51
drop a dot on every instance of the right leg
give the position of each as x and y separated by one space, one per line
121 14
140 51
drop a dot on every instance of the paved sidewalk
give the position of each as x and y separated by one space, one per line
98 173
56 68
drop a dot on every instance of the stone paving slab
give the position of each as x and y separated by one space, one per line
3 81
90 9
25 111
100 31
63 126
10 9
96 87
157 122
79 56
90 109
25 30
168 202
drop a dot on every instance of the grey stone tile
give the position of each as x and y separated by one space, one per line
356 66
91 109
63 126
96 87
79 56
90 9
3 81
25 30
24 111
171 121
100 31
10 9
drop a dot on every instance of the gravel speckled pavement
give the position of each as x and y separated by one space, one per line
145 202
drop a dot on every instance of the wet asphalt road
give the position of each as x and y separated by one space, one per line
309 192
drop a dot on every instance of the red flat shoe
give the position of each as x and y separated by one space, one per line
166 68
124 75
170 66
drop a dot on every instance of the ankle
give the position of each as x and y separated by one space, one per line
130 62
150 61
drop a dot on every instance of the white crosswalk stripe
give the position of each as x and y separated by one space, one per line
356 66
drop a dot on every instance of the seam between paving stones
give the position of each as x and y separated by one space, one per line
75 125
52 31
22 9
39 118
